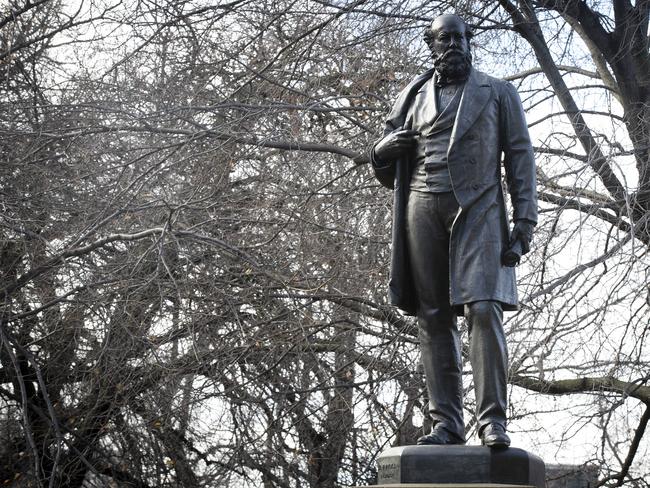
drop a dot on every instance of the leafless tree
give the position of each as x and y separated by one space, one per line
194 251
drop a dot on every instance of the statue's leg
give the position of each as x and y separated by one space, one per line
489 358
429 218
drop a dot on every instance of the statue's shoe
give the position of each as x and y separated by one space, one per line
440 435
494 435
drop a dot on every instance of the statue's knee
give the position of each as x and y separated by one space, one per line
483 311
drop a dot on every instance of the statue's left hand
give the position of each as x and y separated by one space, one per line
522 232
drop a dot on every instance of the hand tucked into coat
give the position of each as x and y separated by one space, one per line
394 145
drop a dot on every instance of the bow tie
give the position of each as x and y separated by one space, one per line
442 82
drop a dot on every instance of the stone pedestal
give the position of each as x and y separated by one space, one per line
458 466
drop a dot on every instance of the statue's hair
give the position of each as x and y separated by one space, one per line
428 33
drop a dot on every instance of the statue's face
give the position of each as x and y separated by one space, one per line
448 40
449 37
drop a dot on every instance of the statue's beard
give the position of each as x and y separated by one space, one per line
452 66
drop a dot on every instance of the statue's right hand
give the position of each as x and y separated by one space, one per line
395 144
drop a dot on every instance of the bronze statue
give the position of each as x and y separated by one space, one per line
444 142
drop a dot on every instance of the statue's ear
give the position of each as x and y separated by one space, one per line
428 35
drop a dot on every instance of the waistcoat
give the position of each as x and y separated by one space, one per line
430 170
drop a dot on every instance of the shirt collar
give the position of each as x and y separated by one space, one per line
439 81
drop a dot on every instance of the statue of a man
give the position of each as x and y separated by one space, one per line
444 142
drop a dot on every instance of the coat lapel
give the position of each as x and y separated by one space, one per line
435 103
475 96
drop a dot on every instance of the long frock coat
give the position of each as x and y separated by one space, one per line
490 129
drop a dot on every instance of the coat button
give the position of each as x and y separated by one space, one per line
472 161
476 186
471 136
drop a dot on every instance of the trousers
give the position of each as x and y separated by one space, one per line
429 221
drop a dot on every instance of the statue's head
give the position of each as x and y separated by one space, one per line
448 38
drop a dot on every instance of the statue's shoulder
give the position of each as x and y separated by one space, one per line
501 88
398 113
419 80
486 79
407 92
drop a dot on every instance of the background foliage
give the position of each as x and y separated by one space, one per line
194 251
